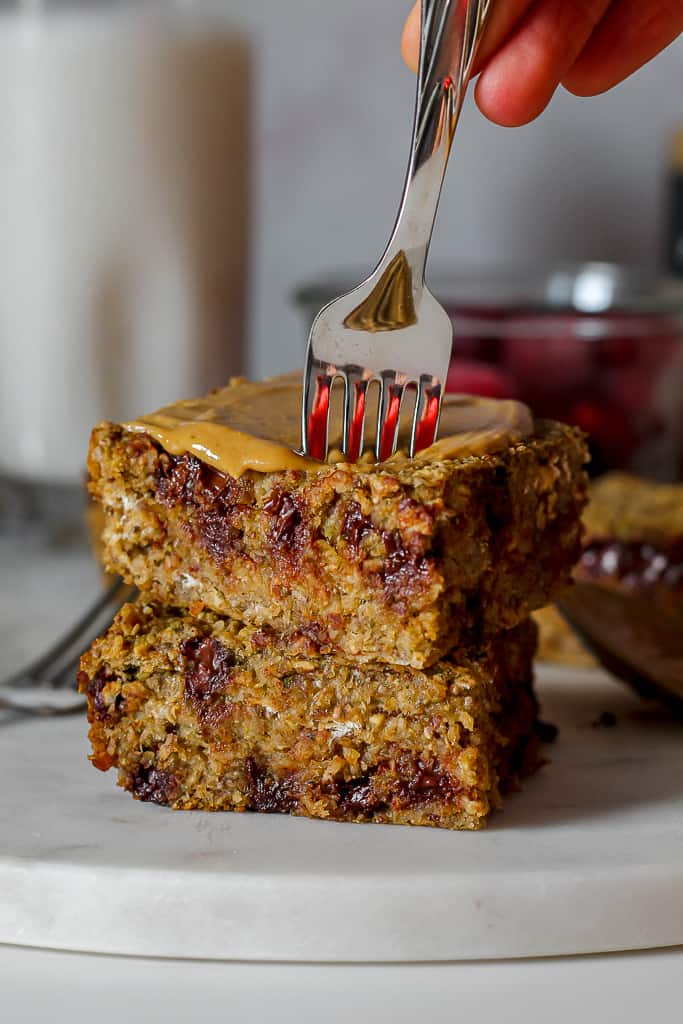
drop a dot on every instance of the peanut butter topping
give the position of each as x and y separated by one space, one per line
257 426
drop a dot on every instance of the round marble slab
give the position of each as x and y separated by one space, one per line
587 858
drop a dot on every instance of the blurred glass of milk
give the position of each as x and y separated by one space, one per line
123 223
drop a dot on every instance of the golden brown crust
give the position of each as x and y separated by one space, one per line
397 566
201 712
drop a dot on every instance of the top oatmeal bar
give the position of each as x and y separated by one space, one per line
396 562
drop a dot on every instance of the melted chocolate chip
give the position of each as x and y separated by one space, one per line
208 666
268 794
405 568
357 795
100 710
153 785
397 785
217 532
288 529
216 501
355 526
409 782
176 479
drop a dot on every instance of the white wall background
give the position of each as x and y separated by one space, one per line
333 104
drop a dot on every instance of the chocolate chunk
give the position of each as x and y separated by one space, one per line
400 785
355 526
268 794
208 668
176 477
214 501
216 532
288 530
100 710
357 795
405 569
153 785
422 782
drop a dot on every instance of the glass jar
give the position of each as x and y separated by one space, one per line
123 203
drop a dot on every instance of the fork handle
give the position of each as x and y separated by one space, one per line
450 34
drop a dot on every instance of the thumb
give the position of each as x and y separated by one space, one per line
410 40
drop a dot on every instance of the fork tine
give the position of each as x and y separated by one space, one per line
355 391
42 701
29 691
388 415
426 415
316 410
115 596
65 675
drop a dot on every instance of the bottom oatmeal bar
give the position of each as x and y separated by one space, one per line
203 712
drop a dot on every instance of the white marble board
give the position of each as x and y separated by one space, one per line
587 858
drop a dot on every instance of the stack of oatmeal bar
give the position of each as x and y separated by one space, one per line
348 641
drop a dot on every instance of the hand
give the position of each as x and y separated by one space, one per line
532 46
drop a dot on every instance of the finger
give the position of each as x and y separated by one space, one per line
501 21
519 80
410 40
630 35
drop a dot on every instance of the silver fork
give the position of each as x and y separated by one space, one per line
390 329
46 686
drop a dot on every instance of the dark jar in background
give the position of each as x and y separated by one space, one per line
596 345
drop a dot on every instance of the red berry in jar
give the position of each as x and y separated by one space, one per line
611 429
474 347
659 351
631 388
471 377
549 362
614 352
